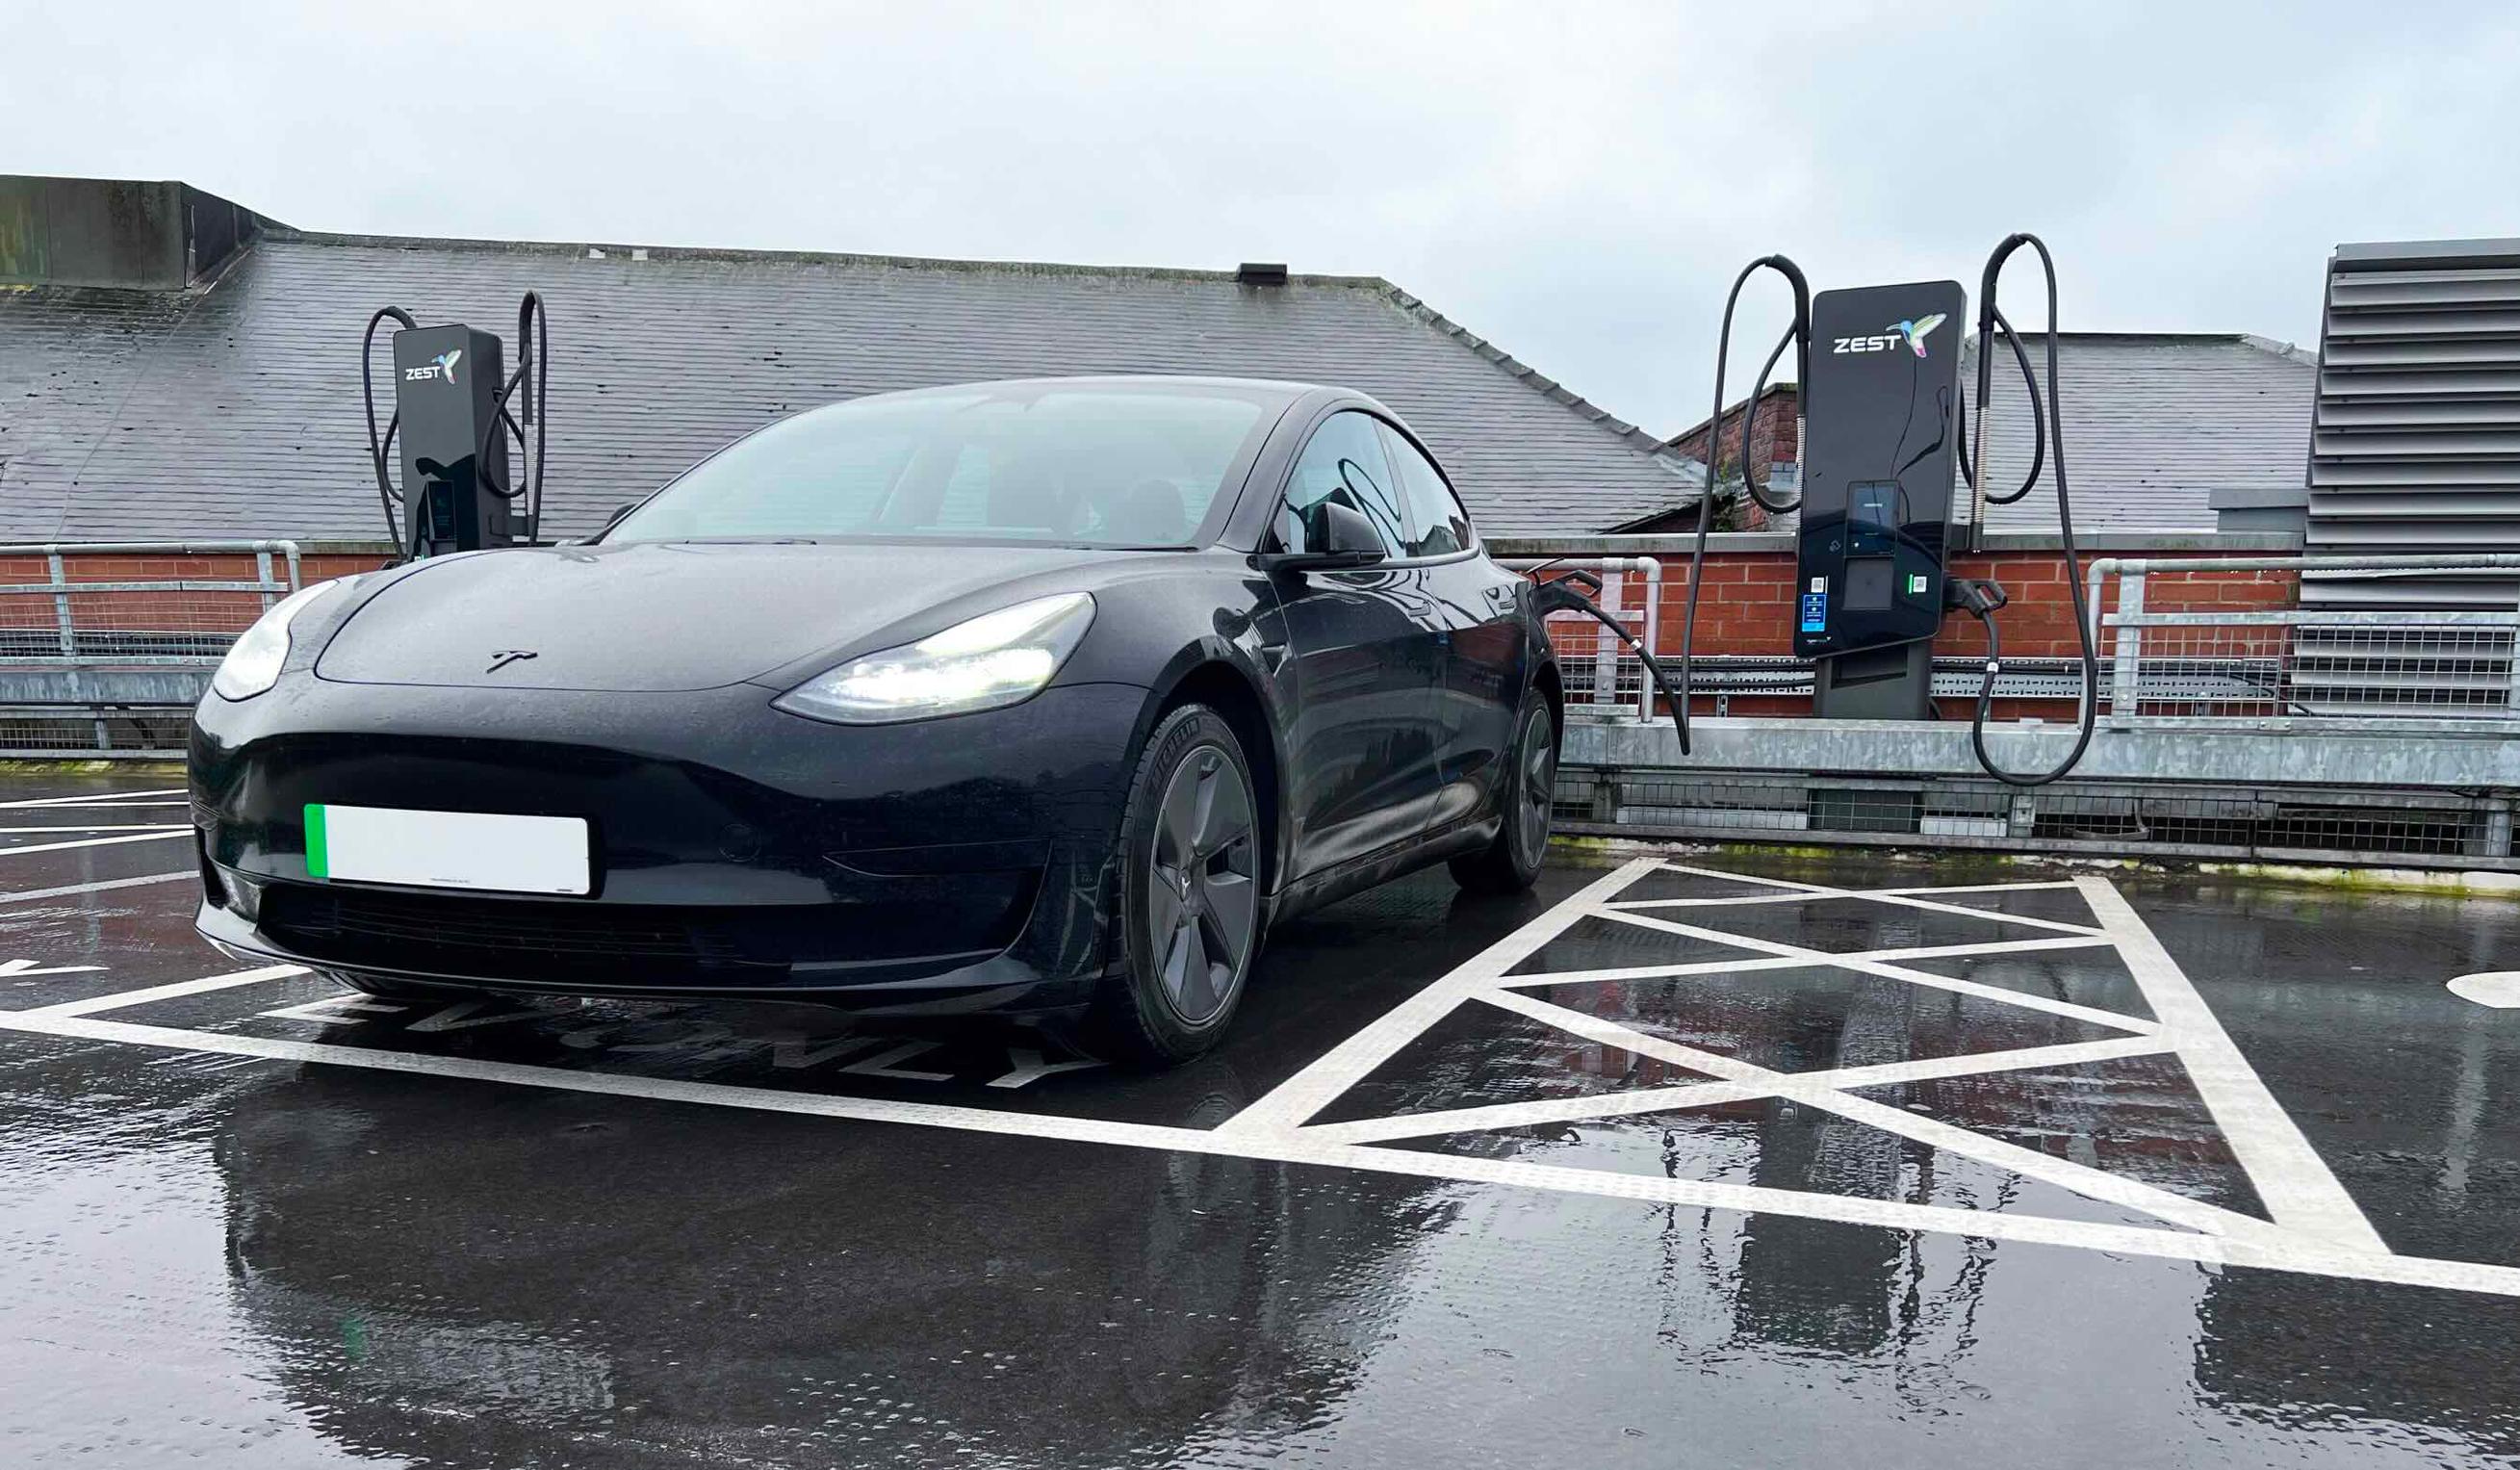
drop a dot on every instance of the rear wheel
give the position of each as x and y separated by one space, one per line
1189 894
1512 863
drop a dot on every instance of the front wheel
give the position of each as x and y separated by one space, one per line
1512 863
1189 894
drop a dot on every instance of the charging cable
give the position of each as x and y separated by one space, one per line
1798 335
1981 598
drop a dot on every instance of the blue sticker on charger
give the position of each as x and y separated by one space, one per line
1815 612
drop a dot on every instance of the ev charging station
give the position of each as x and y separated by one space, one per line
452 413
1883 433
1878 470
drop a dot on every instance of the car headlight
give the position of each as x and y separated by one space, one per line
998 659
253 661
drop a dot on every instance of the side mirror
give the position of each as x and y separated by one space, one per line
1345 540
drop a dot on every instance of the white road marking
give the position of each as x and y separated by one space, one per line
55 847
2295 1183
1294 1148
1288 1104
99 800
100 826
180 988
1795 961
1902 897
2499 989
1711 1094
33 895
2093 1183
1028 1067
888 1064
1887 972
336 1010
12 968
2313 1231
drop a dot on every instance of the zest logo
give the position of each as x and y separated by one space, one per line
441 366
1911 335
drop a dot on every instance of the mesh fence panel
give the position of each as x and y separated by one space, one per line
99 644
2120 820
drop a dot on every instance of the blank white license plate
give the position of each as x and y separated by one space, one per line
448 849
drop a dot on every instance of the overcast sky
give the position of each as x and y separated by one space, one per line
1577 183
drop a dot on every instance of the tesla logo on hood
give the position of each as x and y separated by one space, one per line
505 656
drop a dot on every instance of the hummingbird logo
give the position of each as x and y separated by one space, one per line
446 360
1917 331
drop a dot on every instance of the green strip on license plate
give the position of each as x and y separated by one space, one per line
319 862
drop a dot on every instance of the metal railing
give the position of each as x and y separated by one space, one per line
112 665
1603 679
2320 665
2214 657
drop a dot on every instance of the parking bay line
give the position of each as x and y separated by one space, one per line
32 895
2292 1181
108 826
100 799
1270 1146
55 847
121 999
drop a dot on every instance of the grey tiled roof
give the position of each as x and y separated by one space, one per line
2154 424
234 410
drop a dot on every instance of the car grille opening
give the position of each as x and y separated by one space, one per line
599 944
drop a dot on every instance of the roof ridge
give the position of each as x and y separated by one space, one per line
1687 469
613 251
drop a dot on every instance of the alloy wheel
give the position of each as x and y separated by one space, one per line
1203 902
1539 783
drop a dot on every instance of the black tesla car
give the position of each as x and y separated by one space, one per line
1039 697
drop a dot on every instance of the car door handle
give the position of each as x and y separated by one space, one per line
1501 598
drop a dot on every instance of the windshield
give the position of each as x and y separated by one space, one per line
1089 466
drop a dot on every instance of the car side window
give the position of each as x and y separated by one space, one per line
1435 514
1345 462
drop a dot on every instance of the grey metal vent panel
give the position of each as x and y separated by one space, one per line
2415 440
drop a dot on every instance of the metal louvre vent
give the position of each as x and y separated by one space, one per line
2416 439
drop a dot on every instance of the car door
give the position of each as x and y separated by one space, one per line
1362 664
1486 657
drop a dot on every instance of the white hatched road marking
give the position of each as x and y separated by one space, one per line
2317 1228
1711 1094
1891 971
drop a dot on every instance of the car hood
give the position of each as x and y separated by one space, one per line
654 617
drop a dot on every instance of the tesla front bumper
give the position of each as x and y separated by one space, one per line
947 865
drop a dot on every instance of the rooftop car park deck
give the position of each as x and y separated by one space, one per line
1694 1155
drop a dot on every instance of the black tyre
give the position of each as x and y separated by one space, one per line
1511 863
1189 894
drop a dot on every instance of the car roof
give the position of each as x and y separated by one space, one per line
1276 392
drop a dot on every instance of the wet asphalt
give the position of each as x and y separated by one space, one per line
218 1259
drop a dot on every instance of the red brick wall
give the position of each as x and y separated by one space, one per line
1773 441
1748 608
171 611
1772 433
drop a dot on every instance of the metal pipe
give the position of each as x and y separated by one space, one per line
1649 567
